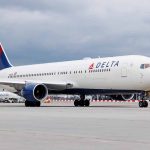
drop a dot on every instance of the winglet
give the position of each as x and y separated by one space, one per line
4 61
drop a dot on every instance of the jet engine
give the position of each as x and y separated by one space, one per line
34 92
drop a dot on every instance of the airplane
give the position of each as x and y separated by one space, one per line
120 75
6 96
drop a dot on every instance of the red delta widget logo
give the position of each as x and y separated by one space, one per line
91 66
105 64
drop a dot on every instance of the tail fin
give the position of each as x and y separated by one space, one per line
4 62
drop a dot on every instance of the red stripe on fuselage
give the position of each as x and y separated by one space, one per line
1 50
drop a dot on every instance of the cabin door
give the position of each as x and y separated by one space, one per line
124 71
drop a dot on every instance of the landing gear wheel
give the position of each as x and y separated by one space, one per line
76 103
27 103
143 104
86 103
32 103
38 104
81 103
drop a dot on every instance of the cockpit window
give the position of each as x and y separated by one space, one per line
145 66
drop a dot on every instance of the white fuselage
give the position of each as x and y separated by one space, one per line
112 73
8 95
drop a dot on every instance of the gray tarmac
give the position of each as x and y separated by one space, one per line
60 126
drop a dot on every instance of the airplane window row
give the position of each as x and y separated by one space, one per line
59 73
31 75
99 70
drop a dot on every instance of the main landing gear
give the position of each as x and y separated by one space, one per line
32 103
82 102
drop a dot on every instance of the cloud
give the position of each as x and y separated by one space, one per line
43 31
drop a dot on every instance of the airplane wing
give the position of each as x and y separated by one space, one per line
18 85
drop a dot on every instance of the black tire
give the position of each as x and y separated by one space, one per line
76 103
145 104
32 103
81 103
37 104
27 103
141 104
86 103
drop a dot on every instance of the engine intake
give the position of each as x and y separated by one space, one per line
33 92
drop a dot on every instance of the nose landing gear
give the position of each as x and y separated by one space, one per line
143 104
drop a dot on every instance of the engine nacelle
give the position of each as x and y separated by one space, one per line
34 92
123 97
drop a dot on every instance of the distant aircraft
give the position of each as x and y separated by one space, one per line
9 97
122 75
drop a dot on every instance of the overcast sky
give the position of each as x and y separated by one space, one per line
42 31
